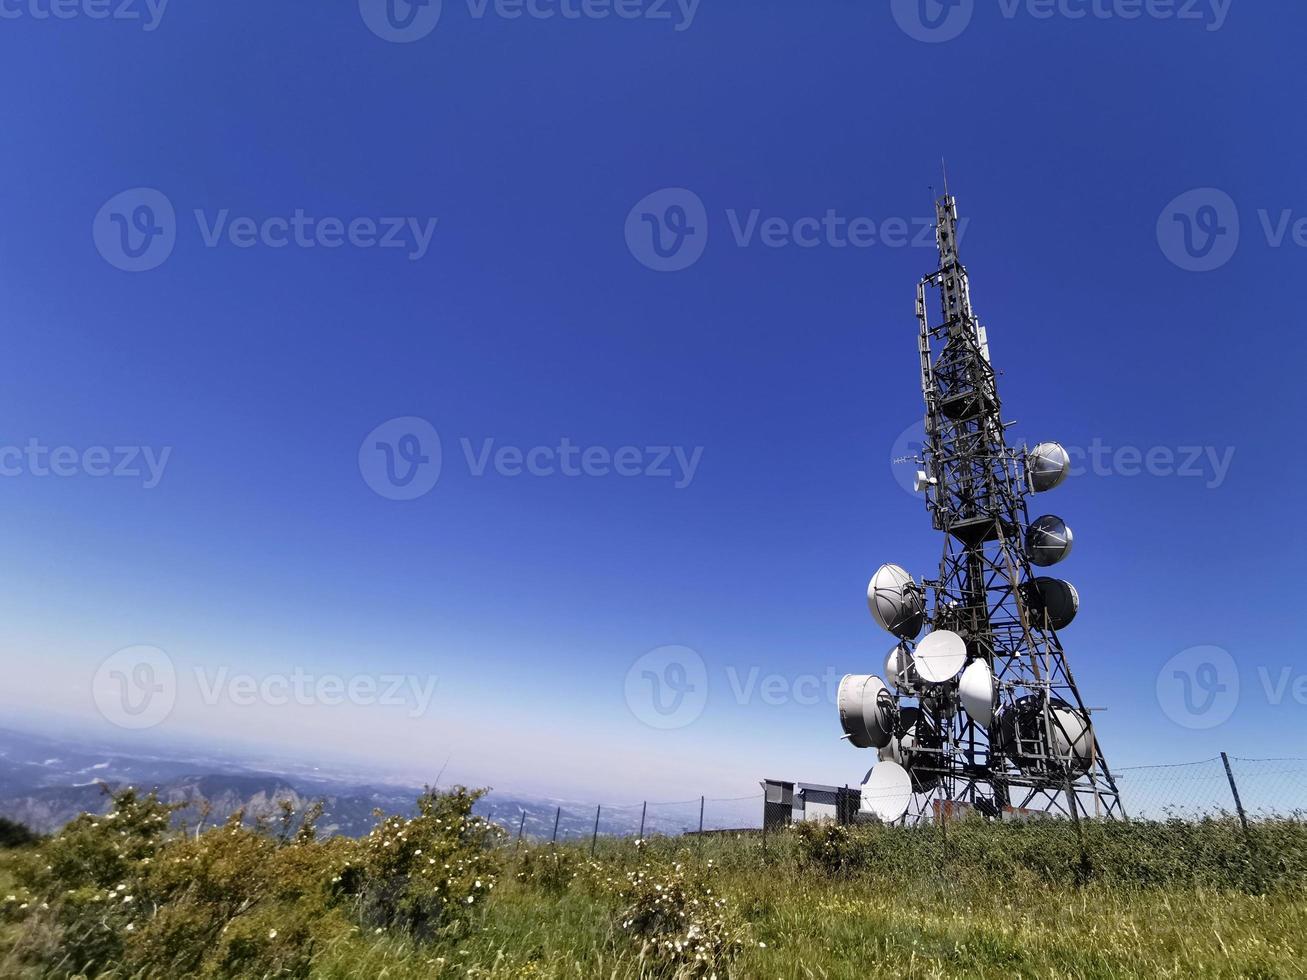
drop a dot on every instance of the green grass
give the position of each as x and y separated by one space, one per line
987 901
870 930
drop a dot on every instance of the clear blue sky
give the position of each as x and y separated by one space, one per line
529 320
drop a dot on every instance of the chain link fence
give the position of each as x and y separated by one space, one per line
1266 788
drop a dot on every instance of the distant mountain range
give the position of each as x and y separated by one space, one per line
45 782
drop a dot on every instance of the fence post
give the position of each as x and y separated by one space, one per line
594 838
1243 817
644 808
520 827
701 823
1074 803
1234 789
557 814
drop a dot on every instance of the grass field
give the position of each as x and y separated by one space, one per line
870 930
985 900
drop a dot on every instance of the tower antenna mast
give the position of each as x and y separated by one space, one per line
983 712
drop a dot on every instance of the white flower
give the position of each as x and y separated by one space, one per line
272 933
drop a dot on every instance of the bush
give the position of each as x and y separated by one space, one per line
125 891
426 874
681 927
549 869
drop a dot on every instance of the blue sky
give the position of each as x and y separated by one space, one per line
526 316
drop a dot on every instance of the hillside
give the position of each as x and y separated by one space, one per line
122 896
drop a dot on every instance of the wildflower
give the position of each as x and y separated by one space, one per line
272 933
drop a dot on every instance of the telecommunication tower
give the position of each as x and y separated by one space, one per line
983 712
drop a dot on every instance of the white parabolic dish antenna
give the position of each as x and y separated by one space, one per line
976 689
1053 598
899 672
1048 540
940 656
887 791
896 602
1049 465
867 711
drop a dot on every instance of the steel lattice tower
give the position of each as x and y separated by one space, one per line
1037 748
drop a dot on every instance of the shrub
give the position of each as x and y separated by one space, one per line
84 883
680 925
237 900
425 874
123 891
549 869
823 845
